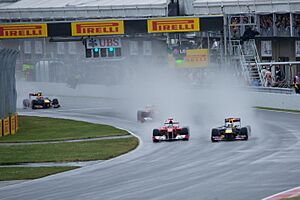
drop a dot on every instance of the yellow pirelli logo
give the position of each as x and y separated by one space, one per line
173 25
23 30
6 126
12 125
97 28
17 122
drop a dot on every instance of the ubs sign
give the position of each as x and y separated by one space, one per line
103 43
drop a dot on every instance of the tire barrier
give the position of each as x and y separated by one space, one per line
9 125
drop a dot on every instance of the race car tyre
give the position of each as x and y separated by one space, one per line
214 132
244 132
185 131
33 103
26 103
155 140
55 103
156 132
249 130
140 117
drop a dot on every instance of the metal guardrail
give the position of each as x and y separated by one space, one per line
8 93
272 90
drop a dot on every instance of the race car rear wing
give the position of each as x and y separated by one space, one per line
232 120
38 94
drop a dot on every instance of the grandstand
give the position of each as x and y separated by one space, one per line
277 45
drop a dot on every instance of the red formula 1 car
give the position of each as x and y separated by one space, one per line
171 131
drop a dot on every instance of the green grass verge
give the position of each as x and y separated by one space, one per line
278 109
25 173
294 198
66 152
50 129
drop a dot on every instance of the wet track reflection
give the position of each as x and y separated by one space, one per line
197 169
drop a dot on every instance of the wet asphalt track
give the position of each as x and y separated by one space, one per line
195 170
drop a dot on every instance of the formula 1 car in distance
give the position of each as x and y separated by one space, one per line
38 101
170 131
230 131
148 114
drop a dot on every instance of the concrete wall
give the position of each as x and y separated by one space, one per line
282 101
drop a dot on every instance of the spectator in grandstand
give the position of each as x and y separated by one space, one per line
266 25
263 71
296 83
297 78
297 25
199 43
282 24
245 20
268 78
278 80
215 45
278 74
235 29
214 50
249 34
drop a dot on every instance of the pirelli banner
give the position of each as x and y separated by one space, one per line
196 58
9 125
8 31
17 121
97 28
191 58
169 25
12 125
111 27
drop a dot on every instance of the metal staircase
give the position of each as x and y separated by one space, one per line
252 61
247 57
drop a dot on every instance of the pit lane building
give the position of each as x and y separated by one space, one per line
277 21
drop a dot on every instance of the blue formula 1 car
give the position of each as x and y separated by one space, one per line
231 131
